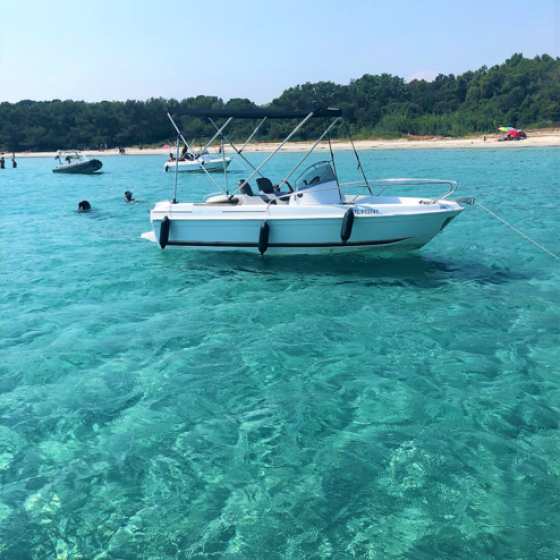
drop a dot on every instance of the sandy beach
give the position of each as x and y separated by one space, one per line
538 138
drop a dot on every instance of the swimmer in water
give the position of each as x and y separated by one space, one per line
84 206
128 197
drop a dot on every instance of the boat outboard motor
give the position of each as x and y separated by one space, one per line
347 225
164 232
84 206
264 234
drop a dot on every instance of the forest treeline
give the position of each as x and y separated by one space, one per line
521 92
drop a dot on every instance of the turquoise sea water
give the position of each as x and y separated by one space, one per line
166 405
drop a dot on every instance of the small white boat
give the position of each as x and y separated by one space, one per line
72 161
317 215
197 163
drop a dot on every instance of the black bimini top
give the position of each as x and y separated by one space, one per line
255 113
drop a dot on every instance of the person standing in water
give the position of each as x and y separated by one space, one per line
14 162
2 163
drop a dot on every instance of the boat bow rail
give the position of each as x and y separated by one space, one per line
404 182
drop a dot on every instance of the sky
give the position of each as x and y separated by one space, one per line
255 49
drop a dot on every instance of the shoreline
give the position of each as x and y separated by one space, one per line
545 137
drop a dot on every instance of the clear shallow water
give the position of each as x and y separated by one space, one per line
157 404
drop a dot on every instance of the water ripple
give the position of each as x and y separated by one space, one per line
164 405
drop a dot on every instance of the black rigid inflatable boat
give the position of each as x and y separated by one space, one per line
76 162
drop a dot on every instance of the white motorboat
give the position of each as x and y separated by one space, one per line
195 161
198 163
317 215
73 161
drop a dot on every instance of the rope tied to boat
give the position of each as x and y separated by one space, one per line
519 232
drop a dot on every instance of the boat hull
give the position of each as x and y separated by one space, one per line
299 231
194 167
83 167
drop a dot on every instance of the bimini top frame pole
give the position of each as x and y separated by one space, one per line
274 152
238 152
248 114
310 150
252 134
219 133
190 150
254 113
176 172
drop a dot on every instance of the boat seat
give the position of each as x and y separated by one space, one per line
266 188
265 185
231 200
223 199
245 189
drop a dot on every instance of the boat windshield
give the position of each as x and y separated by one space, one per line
317 175
67 156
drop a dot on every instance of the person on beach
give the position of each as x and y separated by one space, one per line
2 163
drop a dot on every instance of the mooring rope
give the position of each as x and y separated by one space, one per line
520 233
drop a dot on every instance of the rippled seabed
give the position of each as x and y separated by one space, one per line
172 405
